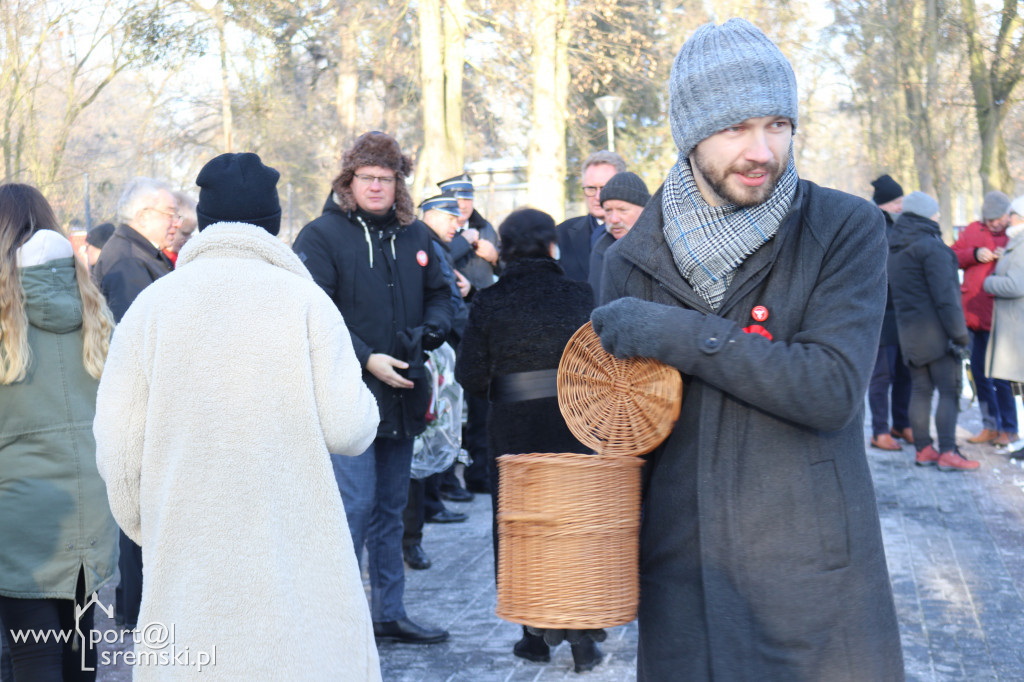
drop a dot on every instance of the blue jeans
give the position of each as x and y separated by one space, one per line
995 396
375 488
890 371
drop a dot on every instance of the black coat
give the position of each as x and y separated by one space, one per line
460 311
574 246
478 271
521 324
128 263
761 551
402 291
925 290
889 335
597 261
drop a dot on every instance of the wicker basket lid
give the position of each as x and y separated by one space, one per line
616 407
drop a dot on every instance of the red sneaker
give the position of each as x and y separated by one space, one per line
954 461
926 457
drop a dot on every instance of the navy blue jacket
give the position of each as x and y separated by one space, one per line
389 286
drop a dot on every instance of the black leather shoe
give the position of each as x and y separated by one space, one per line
456 494
407 632
447 516
415 557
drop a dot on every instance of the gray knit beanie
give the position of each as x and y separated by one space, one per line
995 205
626 186
920 204
724 75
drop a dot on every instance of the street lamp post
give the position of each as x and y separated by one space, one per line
609 106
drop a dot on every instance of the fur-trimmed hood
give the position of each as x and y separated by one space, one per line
376 149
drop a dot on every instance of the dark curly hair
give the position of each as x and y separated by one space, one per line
527 233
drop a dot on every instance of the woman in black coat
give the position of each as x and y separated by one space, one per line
930 321
517 331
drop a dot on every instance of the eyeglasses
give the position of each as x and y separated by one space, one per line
175 217
592 190
382 179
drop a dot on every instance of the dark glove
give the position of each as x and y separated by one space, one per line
432 338
958 351
630 327
555 637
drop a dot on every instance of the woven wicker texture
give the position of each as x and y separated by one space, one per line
568 527
616 407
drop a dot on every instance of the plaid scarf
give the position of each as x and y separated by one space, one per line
708 243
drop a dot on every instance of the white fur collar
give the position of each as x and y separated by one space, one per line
241 240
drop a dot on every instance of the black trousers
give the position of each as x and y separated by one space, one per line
128 594
474 439
57 658
424 501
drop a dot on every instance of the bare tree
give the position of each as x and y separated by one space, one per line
995 71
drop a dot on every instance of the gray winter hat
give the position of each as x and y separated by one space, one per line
724 75
628 187
995 205
920 204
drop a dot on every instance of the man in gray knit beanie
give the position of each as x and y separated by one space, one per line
761 553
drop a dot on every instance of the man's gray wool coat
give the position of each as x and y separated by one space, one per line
761 551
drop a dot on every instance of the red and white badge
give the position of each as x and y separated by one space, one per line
759 313
421 258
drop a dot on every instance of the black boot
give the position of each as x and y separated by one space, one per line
586 654
532 648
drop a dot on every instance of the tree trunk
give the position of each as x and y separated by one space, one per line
227 120
433 158
347 92
992 86
549 64
454 61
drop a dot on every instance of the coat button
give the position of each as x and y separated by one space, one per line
712 342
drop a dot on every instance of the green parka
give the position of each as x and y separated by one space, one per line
54 516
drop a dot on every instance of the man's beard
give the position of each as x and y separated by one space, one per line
741 196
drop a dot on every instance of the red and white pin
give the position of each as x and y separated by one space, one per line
421 258
759 313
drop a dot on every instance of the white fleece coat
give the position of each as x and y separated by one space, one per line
227 384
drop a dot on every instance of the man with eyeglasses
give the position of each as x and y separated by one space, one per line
131 260
577 236
376 262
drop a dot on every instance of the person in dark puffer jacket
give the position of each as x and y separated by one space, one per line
931 327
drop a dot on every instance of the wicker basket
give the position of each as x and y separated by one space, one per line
567 528
616 407
568 523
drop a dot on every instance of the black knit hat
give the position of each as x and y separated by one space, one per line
886 189
628 187
238 188
99 235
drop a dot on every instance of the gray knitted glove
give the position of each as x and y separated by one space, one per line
631 327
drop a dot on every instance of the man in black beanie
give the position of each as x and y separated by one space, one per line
238 188
623 199
890 370
228 384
